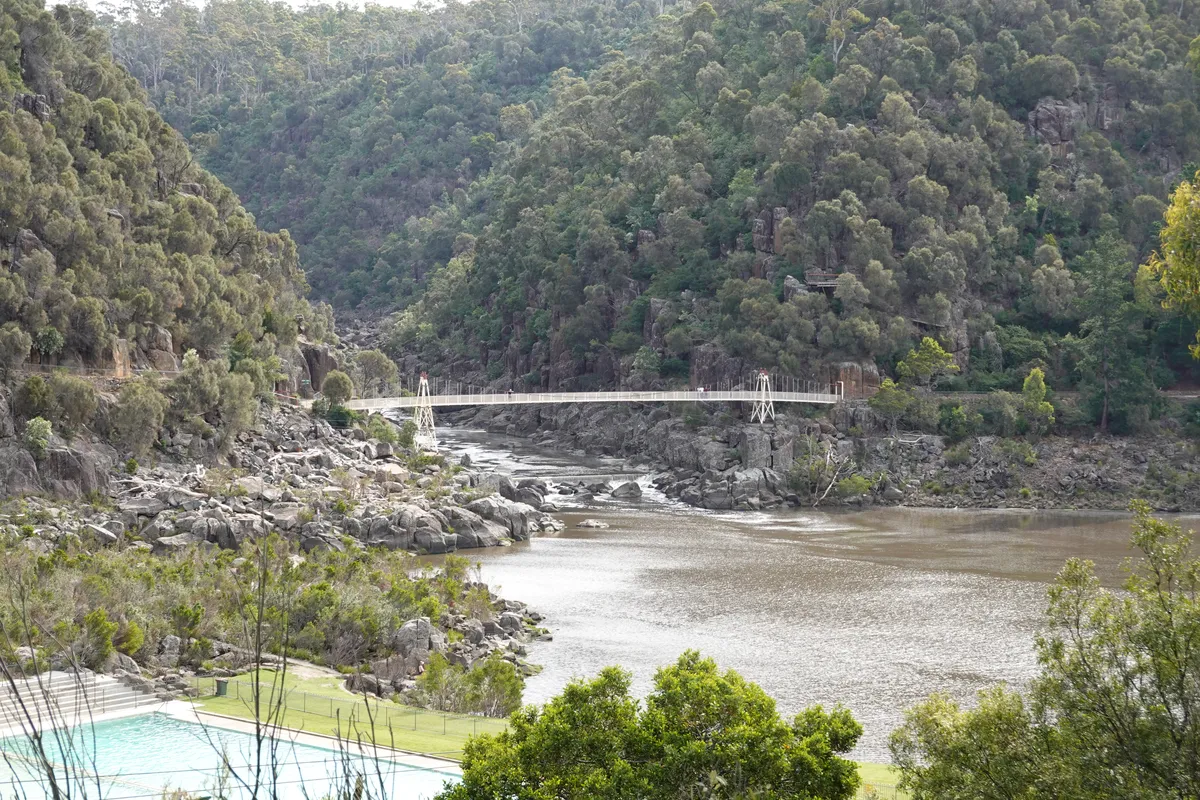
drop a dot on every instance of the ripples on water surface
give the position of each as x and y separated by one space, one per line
875 609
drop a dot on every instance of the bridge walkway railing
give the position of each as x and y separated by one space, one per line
534 398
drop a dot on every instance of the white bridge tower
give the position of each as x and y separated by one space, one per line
764 405
426 435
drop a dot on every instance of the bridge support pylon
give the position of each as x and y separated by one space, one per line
426 436
764 405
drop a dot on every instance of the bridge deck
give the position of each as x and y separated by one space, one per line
535 398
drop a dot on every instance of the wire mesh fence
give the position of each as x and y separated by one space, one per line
380 714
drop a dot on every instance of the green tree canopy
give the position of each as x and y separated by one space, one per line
1113 713
337 387
595 741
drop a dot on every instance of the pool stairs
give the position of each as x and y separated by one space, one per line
56 699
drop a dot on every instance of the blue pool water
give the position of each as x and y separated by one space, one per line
140 758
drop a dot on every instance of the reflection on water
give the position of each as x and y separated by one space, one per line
874 609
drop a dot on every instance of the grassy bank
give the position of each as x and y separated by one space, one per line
320 704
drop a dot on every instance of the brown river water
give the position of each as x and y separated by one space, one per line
874 609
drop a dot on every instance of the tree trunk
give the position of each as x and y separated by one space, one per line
1104 409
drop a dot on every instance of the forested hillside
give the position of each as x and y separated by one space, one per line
989 174
340 125
108 229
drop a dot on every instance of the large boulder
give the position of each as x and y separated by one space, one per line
168 545
18 471
630 490
73 473
411 517
415 640
435 542
755 447
1056 122
321 361
518 518
473 530
392 538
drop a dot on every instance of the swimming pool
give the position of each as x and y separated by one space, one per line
142 757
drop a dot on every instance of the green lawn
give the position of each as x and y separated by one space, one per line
320 704
881 779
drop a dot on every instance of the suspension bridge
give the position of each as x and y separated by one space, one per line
762 397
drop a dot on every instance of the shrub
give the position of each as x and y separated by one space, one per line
957 423
853 486
337 388
130 640
647 360
37 436
959 454
379 428
494 687
74 398
97 638
131 466
340 416
1016 452
34 398
49 342
320 407
139 415
408 432
14 346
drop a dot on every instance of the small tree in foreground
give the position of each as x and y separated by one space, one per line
1114 713
699 726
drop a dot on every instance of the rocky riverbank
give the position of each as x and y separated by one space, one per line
320 487
710 458
296 475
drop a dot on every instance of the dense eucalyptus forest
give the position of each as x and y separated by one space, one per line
582 193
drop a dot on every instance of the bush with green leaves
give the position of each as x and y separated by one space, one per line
1015 452
337 387
378 427
956 422
98 633
74 399
37 436
33 398
200 596
139 414
408 432
595 740
854 486
1111 714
